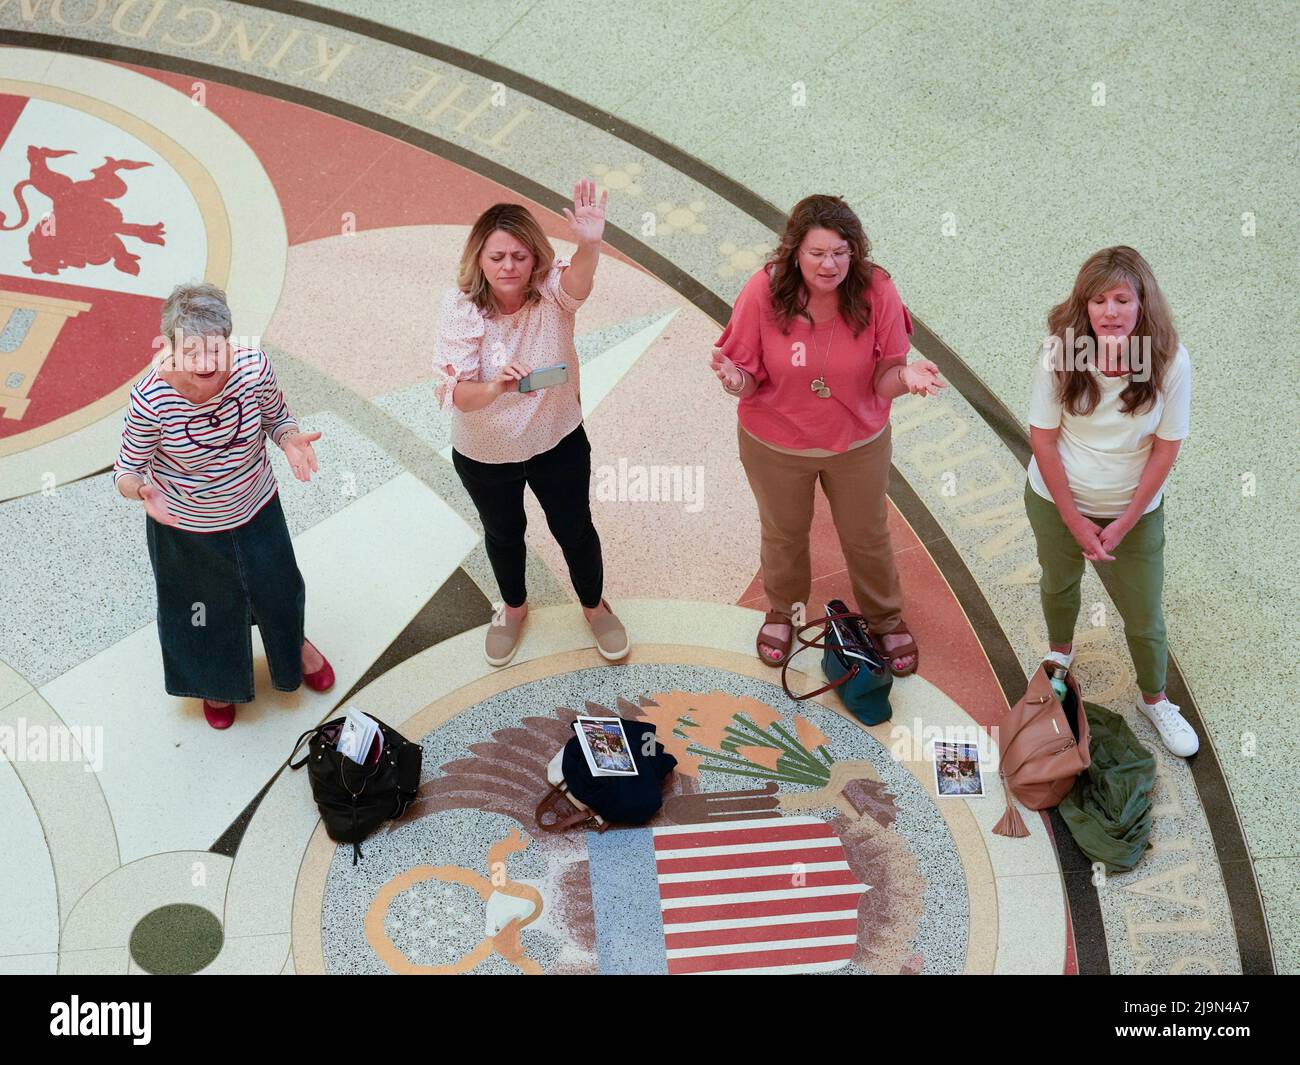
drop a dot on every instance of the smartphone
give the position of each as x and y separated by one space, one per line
547 377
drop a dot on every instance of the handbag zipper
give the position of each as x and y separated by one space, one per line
356 846
1044 750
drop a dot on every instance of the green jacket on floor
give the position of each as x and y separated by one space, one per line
1109 810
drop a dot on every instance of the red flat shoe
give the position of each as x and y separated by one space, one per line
219 716
323 679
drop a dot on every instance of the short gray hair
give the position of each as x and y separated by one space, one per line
197 310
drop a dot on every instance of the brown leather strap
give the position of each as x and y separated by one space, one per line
817 691
548 804
824 624
571 822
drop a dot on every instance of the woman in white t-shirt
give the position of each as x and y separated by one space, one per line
1111 405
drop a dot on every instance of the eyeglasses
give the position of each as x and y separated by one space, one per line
842 255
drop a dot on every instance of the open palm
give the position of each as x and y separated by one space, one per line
587 219
298 450
921 378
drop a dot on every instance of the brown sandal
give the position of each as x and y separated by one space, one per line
774 617
903 651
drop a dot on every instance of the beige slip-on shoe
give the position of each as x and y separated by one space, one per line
611 638
503 637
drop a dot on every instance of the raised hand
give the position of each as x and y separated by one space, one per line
297 449
921 378
587 219
155 505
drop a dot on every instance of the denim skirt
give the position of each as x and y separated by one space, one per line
212 587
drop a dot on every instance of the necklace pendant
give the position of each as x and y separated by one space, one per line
819 382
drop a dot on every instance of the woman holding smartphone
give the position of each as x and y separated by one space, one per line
816 350
1111 406
510 316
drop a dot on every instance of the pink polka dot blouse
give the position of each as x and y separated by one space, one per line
471 346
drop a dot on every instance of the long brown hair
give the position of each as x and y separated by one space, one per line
515 219
1077 389
790 294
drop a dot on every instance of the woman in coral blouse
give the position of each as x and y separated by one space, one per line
816 350
513 313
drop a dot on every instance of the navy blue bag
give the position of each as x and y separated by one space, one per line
851 664
622 800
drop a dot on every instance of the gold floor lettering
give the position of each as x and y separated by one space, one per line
272 43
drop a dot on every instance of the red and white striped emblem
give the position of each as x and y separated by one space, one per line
759 896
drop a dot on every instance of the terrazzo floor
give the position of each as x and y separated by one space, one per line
328 177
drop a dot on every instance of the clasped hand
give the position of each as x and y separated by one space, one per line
1097 542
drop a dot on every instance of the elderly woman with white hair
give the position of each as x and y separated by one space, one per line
194 453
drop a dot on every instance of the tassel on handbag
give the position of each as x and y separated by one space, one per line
1011 823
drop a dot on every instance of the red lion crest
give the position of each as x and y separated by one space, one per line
87 229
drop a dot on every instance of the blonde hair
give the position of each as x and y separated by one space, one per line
1076 389
515 219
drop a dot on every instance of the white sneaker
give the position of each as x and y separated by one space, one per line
1176 733
1059 658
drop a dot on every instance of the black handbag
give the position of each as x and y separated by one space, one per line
356 799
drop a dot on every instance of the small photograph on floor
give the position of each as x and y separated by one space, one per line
605 744
957 769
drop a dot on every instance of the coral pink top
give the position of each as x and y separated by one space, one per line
784 410
475 347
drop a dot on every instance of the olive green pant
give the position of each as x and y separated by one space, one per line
1137 581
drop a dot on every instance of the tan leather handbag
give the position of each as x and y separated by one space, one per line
1043 746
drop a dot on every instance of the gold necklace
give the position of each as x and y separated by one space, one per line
819 382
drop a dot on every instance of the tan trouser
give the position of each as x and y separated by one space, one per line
854 483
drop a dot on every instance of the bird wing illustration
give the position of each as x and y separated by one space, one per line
504 775
889 913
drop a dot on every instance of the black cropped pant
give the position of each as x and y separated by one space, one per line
561 481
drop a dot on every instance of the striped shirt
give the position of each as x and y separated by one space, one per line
208 459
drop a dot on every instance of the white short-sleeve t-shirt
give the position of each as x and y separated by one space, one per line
1105 452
